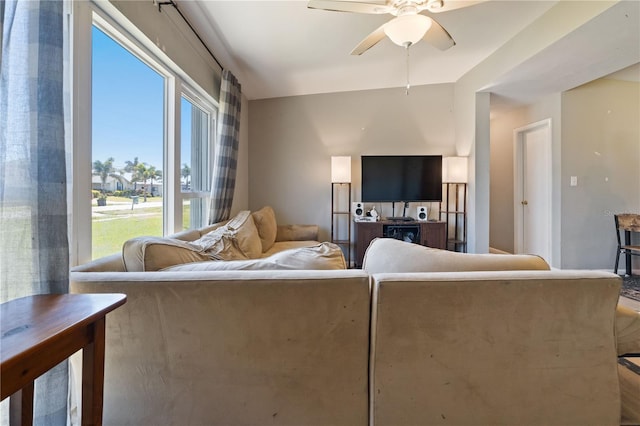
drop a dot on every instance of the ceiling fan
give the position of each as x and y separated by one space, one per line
409 25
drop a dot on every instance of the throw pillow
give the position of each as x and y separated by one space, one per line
265 221
238 239
246 234
297 233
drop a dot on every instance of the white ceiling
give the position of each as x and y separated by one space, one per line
282 48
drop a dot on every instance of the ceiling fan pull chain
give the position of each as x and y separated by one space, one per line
408 84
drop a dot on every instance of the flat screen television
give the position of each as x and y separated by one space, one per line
408 178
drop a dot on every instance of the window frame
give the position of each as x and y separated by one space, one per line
211 110
106 17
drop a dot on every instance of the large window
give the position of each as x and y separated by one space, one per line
127 146
195 154
147 168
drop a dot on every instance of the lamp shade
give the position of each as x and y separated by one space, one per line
407 29
454 170
341 169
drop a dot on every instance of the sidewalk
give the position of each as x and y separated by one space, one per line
119 205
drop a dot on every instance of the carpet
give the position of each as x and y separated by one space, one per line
631 287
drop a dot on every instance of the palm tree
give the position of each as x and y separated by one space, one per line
144 173
103 170
141 173
154 174
131 165
106 170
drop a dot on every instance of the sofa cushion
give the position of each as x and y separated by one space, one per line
237 239
323 256
236 348
265 221
279 246
297 233
627 330
445 346
391 255
154 253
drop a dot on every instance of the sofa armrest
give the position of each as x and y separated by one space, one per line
297 233
627 330
111 263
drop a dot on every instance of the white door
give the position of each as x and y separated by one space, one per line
533 189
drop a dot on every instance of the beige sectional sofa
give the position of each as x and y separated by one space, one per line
379 346
246 241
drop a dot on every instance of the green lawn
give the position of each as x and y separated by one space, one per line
109 235
113 227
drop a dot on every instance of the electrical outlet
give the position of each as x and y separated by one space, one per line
574 180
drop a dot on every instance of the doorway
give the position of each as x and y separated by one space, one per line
532 189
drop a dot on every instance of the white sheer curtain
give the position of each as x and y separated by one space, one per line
34 254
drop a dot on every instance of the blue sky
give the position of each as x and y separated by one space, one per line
127 105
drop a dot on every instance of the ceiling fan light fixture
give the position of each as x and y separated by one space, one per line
435 5
406 30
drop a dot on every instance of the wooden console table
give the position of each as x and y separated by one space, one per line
431 234
38 332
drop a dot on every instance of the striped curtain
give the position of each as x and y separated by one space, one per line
226 152
34 250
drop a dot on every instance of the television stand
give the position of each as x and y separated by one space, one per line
400 219
428 233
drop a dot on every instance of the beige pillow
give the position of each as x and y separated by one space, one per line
246 234
391 255
297 233
154 253
323 256
265 221
238 239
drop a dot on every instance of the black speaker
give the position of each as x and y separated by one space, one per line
357 208
422 214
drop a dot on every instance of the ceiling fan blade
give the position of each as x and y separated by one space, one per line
437 6
370 41
439 37
349 6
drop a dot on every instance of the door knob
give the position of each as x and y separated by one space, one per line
524 203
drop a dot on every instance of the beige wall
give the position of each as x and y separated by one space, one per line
601 146
503 123
471 108
502 177
292 140
168 31
596 137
